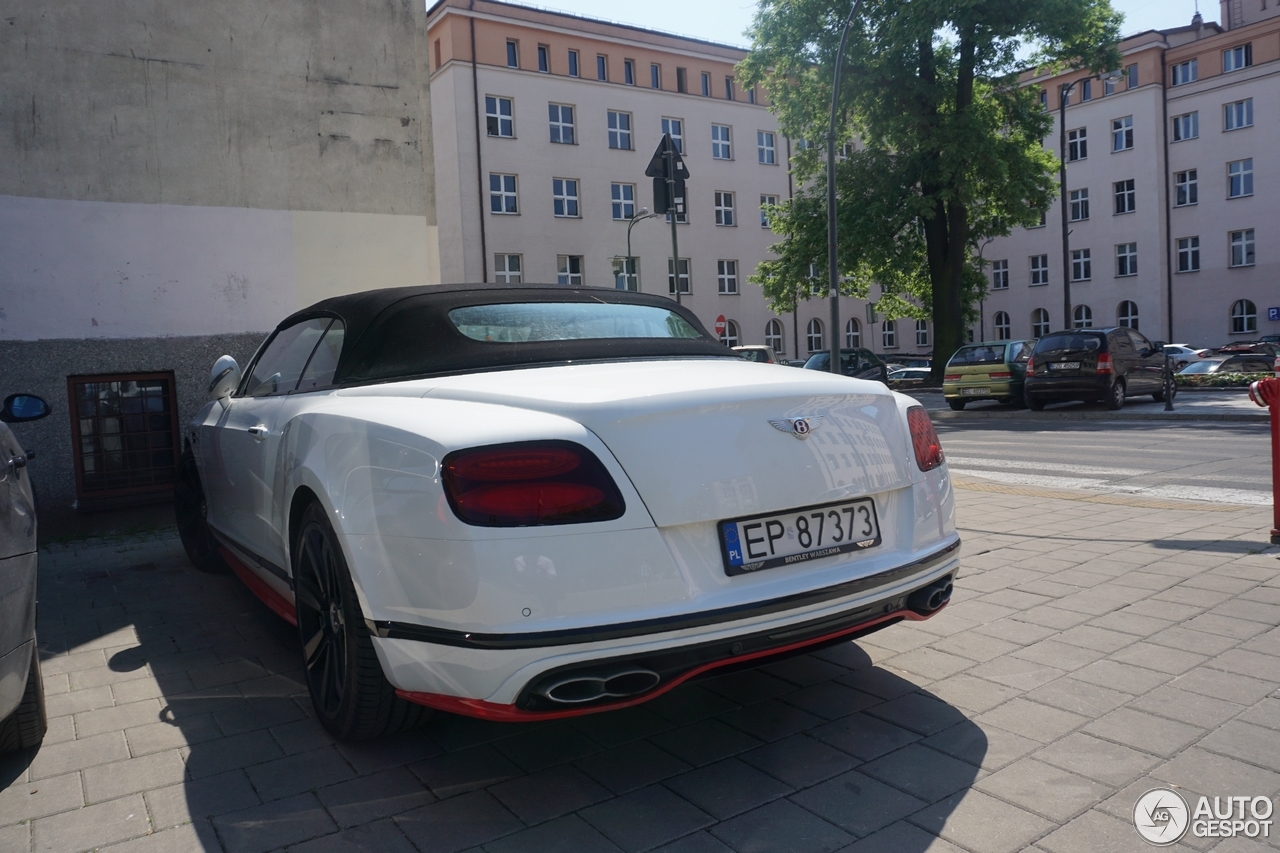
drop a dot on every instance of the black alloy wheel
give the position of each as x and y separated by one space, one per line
1115 399
351 695
191 510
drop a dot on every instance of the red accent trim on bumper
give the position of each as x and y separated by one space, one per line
282 606
496 712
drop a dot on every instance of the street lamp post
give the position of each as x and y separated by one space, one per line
1064 91
642 213
833 276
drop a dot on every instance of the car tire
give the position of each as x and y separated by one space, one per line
1034 405
191 511
1159 395
349 691
956 404
1115 397
25 727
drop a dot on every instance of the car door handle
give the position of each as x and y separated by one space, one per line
259 432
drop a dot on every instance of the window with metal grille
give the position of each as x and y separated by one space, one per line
124 433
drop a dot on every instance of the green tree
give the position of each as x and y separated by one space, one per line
946 147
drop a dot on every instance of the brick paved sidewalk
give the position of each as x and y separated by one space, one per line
1093 652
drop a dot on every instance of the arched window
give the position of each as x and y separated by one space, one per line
1082 317
815 336
852 334
1039 323
922 333
1004 331
773 336
1244 317
730 336
1127 314
890 334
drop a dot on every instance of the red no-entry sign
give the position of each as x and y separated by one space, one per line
720 325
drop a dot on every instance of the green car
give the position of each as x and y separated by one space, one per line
992 370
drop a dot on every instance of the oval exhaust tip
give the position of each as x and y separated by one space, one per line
576 690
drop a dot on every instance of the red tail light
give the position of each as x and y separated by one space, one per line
1031 366
924 439
1104 363
528 484
1003 375
951 377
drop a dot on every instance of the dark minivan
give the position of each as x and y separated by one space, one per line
858 362
1104 365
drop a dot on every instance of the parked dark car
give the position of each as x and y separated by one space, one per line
22 713
858 362
1104 365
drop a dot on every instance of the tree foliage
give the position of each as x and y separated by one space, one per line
947 146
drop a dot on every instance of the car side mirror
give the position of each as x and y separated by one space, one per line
224 378
20 408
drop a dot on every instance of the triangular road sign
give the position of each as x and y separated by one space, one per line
658 164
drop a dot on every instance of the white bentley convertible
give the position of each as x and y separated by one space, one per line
523 503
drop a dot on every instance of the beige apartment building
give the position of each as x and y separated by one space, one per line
1168 169
544 124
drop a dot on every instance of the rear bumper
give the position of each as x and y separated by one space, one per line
999 388
1068 387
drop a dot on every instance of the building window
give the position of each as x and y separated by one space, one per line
655 76
620 130
544 59
1039 323
765 147
561 123
1184 72
1004 331
1237 115
1235 58
766 202
502 193
1108 87
602 67
773 336
626 273
730 336
1186 188
1086 90
1000 275
684 276
1079 205
1242 248
1077 144
1127 259
1044 99
1240 178
728 88
436 46
1122 133
852 333
1126 196
499 116
1039 270
706 85
507 269
1244 317
569 269
513 54
814 334
125 437
724 208
629 72
624 200
573 63
721 147
564 194
727 276
751 95
922 333
1188 254
1127 314
1082 317
1186 127
1081 264
889 334
1131 76
682 80
675 127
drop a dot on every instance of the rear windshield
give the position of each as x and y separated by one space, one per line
525 322
978 355
1053 343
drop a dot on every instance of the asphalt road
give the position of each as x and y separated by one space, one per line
1220 462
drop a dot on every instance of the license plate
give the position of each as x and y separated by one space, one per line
974 392
799 535
1065 365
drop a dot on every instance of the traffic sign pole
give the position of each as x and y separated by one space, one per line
671 200
669 174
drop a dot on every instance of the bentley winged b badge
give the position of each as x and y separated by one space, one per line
799 427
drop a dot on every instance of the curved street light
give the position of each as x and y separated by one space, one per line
833 278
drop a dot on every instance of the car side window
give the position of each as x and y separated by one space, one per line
277 370
1019 353
1120 343
324 361
1140 341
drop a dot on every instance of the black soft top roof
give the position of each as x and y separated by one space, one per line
405 332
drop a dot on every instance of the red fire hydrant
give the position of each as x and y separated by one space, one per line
1266 392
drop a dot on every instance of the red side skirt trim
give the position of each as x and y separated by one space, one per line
511 714
277 602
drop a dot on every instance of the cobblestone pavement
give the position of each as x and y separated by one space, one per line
1093 651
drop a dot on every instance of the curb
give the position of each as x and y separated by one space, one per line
1243 417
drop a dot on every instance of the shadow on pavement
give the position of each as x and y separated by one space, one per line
198 689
